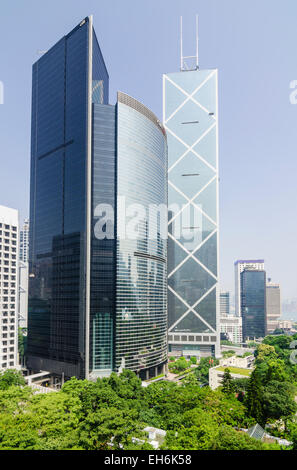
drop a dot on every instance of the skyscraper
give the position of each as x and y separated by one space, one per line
9 261
97 297
239 266
224 304
23 294
24 274
190 116
24 241
253 303
273 306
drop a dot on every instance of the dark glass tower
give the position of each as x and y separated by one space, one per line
253 303
80 284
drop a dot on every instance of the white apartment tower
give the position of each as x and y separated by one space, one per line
273 306
9 262
23 274
24 242
240 266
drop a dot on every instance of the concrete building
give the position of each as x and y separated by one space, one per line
284 324
239 368
243 362
273 306
240 266
9 262
24 242
23 294
224 304
232 327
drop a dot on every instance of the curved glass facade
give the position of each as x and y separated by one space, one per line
95 303
141 299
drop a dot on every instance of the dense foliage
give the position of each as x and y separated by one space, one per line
108 413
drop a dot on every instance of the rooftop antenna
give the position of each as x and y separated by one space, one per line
187 62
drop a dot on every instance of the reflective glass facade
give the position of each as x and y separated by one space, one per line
190 118
253 303
95 304
141 306
103 255
58 201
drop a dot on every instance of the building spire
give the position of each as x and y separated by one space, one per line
189 62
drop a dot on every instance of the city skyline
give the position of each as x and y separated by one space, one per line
256 144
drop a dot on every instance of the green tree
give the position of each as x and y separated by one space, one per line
108 428
278 400
11 377
265 351
254 398
181 364
229 439
227 384
202 371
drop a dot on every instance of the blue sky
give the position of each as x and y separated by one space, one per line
254 46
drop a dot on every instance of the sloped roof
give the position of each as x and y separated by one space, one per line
257 432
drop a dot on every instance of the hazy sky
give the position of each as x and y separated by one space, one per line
254 46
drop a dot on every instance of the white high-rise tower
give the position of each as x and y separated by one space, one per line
9 261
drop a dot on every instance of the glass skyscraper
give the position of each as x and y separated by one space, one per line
253 303
190 117
96 304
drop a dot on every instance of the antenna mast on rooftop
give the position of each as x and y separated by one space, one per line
189 62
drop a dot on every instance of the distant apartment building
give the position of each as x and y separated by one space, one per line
224 304
23 274
24 242
9 261
285 325
289 306
273 306
23 294
253 303
240 266
231 326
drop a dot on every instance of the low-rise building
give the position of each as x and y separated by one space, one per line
231 326
216 375
245 362
155 437
285 325
239 368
